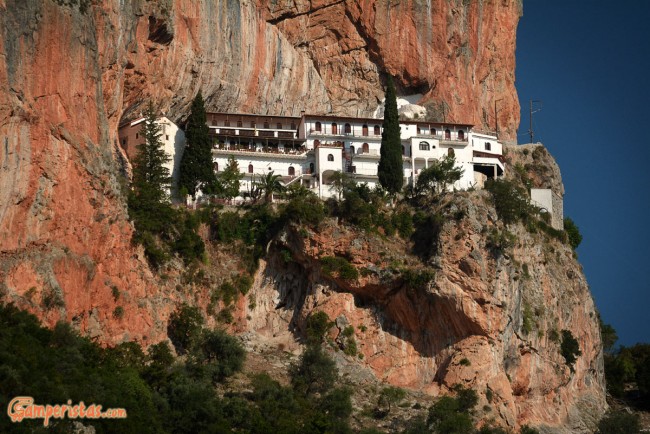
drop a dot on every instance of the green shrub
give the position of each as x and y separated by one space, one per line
499 241
417 278
318 323
118 312
527 321
403 222
217 355
573 233
619 422
184 327
569 348
339 265
510 201
465 362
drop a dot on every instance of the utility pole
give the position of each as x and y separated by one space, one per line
530 130
496 119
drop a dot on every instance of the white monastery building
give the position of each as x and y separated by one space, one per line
310 148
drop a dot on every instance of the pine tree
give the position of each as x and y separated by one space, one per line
196 164
390 171
148 199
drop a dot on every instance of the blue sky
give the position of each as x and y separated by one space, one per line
589 62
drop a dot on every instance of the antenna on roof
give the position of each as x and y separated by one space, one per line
530 130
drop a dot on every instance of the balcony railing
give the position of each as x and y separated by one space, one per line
220 148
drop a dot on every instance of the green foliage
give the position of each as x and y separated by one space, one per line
268 185
527 320
118 312
426 235
569 348
315 372
184 327
499 241
195 172
390 396
390 170
528 430
336 264
189 244
573 233
417 278
217 355
619 422
435 179
607 334
340 182
452 415
228 181
304 209
318 323
403 222
465 362
510 200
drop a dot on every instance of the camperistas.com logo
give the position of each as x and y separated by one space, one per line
23 407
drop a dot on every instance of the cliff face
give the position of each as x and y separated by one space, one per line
488 320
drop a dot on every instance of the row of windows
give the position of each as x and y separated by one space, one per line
461 133
347 128
292 170
253 124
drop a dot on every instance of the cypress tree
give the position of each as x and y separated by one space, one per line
196 164
148 197
390 171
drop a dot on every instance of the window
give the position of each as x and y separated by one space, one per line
292 171
330 157
311 167
215 166
451 152
447 134
250 168
364 130
226 123
348 129
293 126
335 128
136 135
352 149
377 130
317 127
433 131
488 146
419 131
279 126
403 150
252 124
366 148
266 125
316 143
167 137
352 169
239 124
461 135
424 146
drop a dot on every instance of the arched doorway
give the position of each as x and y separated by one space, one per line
317 127
335 128
352 149
292 171
250 168
451 152
461 135
447 134
365 148
377 130
348 129
364 130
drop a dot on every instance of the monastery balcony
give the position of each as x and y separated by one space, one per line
355 134
254 132
454 141
295 153
482 154
372 154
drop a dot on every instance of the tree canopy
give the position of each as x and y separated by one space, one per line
390 170
196 171
436 178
